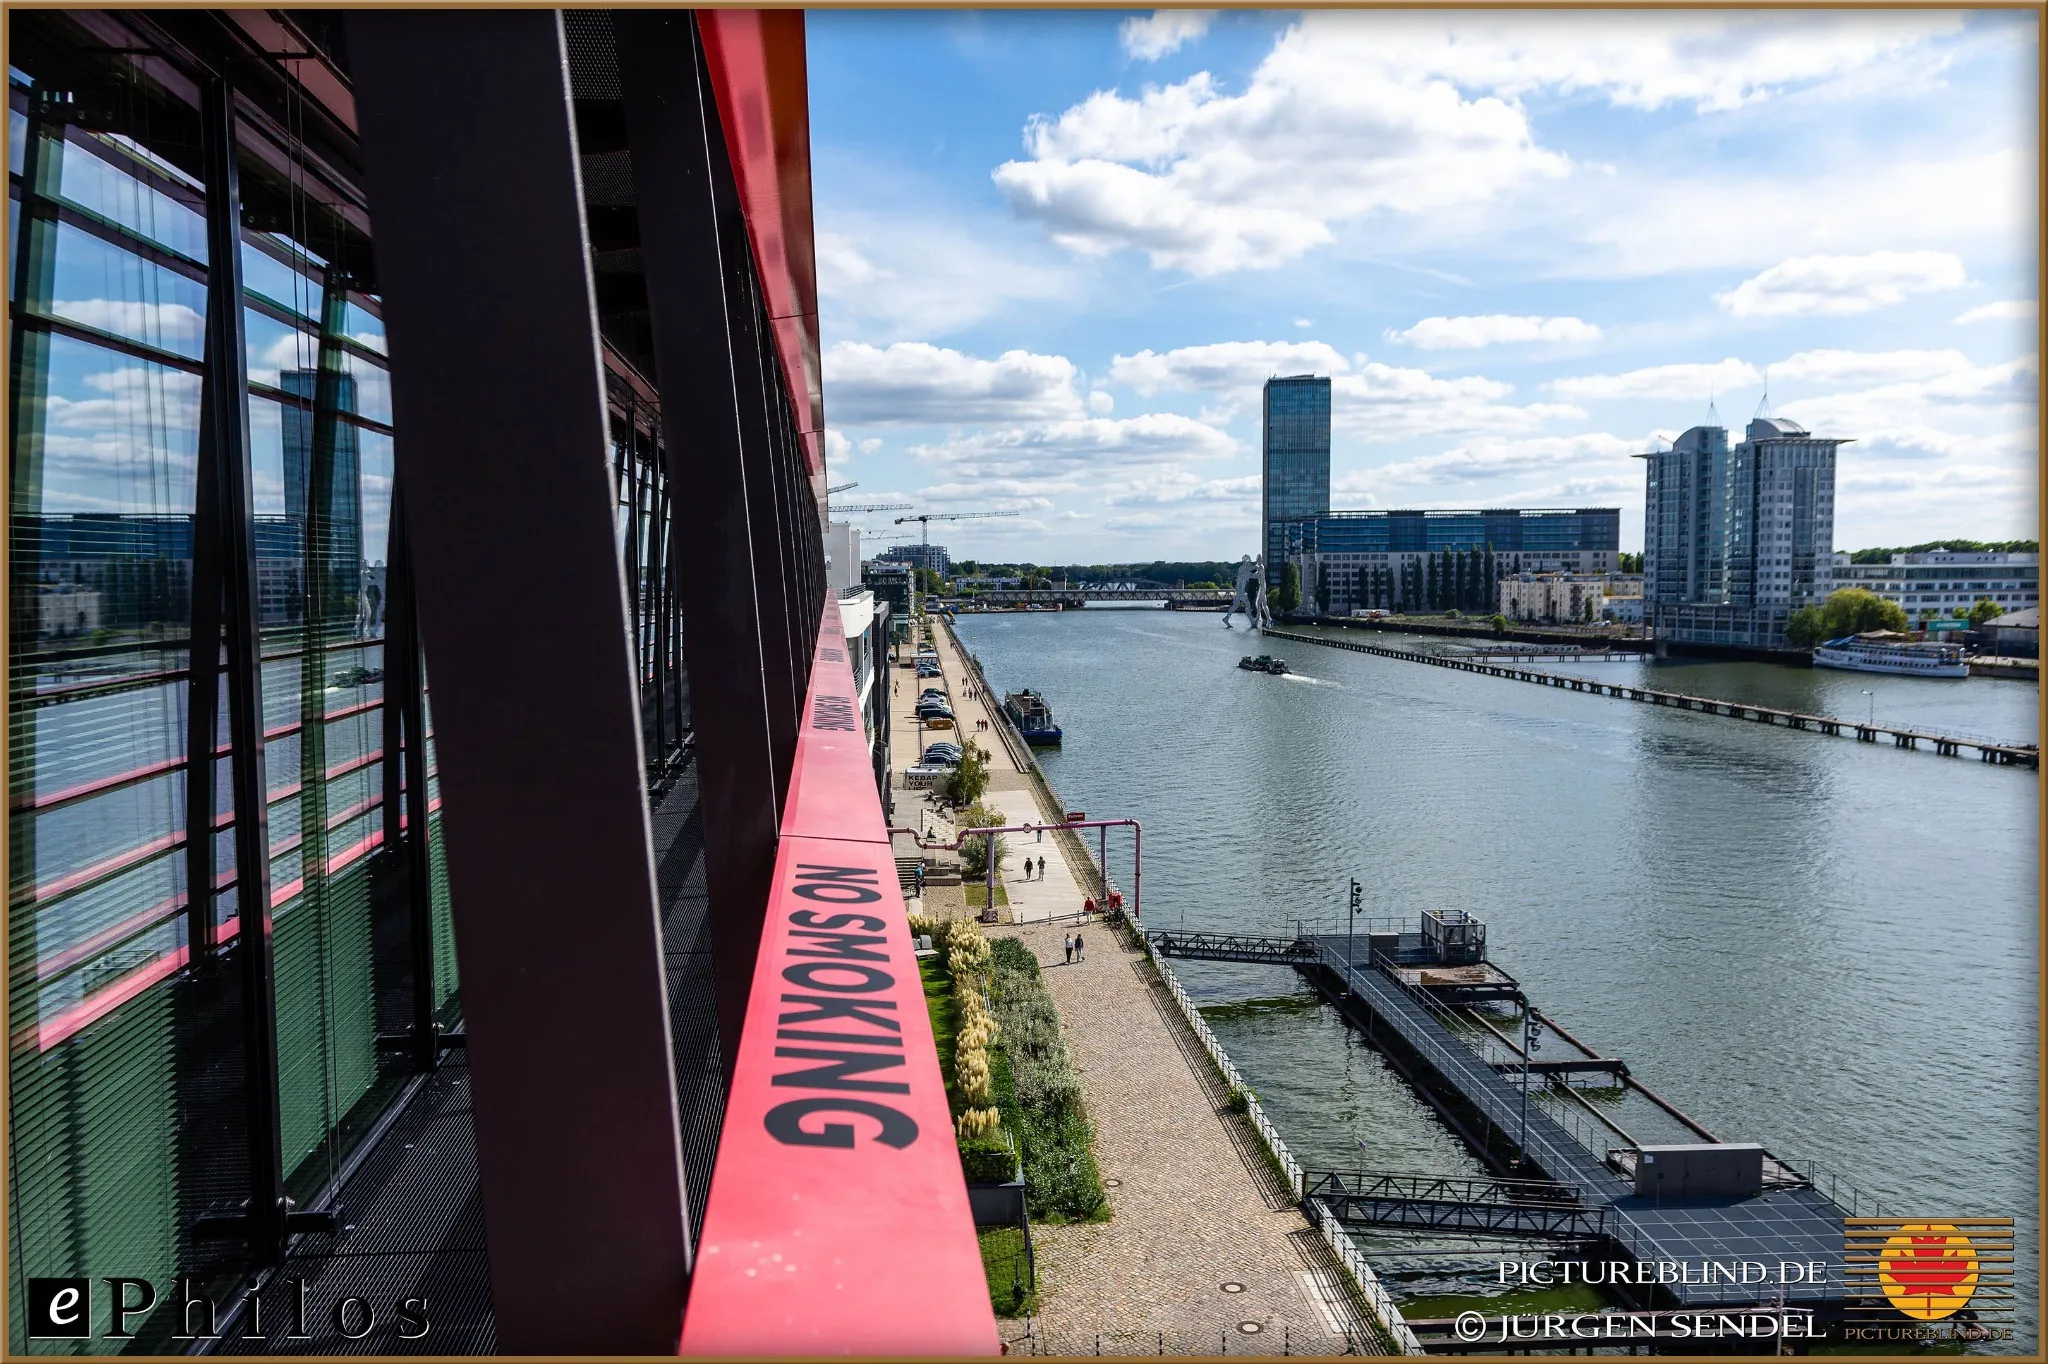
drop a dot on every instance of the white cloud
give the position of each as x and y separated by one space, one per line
1304 322
1469 333
1650 220
1947 412
2008 310
1374 114
1838 286
887 278
1377 403
1147 38
1868 367
1497 458
1080 445
1101 404
1225 366
1683 382
913 383
172 326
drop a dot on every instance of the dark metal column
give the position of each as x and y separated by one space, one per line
499 402
202 681
264 1218
672 124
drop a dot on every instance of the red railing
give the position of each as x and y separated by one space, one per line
838 1220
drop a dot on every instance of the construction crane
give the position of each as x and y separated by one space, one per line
841 487
869 507
924 521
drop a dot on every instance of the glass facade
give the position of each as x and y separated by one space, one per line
130 1088
1295 441
1503 530
131 1084
239 1036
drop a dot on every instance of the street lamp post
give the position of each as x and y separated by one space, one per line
1350 929
1872 720
1530 1028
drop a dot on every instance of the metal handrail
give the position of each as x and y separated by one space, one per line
1547 1193
1376 1297
1477 1043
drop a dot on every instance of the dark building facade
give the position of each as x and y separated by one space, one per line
1295 444
429 729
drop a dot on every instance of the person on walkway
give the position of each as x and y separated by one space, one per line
1080 950
1041 836
1069 941
1041 869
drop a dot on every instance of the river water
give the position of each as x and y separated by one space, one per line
1824 946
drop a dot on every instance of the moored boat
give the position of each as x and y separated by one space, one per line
1264 663
1032 717
1888 651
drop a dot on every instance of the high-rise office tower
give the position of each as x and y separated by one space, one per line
341 550
1296 458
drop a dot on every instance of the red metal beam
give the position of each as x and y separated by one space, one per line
758 74
838 1220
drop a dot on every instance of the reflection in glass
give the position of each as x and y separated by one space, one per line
109 289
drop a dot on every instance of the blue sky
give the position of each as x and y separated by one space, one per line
1059 251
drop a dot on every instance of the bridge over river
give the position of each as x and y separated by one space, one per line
1067 598
1576 1180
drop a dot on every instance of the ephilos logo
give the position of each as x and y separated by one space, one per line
1928 1270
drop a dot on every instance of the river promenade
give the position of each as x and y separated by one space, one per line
1204 1252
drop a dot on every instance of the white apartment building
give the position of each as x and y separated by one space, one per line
1556 598
1945 583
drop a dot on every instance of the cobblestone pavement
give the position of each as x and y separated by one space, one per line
1194 1207
1203 1253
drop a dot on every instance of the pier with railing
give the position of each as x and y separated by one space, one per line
1562 1167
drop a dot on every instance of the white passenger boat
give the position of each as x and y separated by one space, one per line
1887 651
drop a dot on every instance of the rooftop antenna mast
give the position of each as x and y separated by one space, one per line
1763 409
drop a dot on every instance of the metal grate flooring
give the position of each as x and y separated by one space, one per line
412 1228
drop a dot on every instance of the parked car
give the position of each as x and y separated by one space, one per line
942 755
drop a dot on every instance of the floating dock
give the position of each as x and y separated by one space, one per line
1948 745
1411 988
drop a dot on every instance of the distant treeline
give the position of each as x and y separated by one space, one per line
1880 556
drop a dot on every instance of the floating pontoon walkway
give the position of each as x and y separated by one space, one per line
1583 1194
1948 745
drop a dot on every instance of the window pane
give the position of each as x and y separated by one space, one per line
267 277
116 180
100 285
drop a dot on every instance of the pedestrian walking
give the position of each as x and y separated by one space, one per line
1041 835
1069 941
1080 950
1041 869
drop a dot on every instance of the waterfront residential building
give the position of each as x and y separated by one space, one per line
1946 583
1555 598
1736 538
480 345
1294 442
933 557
